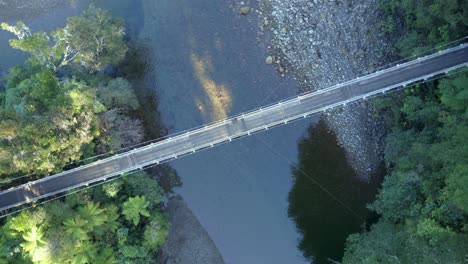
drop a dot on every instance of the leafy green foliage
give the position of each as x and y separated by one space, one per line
48 121
112 189
133 252
398 198
118 94
134 207
39 47
97 38
93 40
429 22
141 183
77 228
123 131
389 243
423 202
156 232
89 233
50 115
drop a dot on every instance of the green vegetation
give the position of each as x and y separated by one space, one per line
423 201
93 40
59 107
428 23
88 227
45 121
52 114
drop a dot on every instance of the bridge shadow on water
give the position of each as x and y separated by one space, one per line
321 218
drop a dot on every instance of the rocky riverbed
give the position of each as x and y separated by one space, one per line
325 42
188 241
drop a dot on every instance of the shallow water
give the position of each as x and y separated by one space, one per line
209 65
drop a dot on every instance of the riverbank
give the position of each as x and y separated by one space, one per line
188 241
328 42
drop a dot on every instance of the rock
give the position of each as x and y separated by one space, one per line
269 60
319 37
245 10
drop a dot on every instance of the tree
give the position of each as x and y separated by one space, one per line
49 117
141 183
93 215
93 40
52 120
134 207
85 252
32 239
156 232
398 197
106 256
77 227
25 222
123 131
118 94
423 199
112 189
111 222
132 254
429 22
97 38
122 236
38 45
402 243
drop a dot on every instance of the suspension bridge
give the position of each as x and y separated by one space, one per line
245 124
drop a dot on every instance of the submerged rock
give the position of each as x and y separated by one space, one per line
245 10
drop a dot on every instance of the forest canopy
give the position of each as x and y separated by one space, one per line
58 107
50 109
423 202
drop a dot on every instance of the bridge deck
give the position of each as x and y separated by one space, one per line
238 126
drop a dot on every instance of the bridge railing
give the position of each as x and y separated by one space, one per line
420 54
271 107
305 95
381 70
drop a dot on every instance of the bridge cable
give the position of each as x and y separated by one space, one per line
111 153
275 151
454 72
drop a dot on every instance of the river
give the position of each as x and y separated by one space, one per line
208 64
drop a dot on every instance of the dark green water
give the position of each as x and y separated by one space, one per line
327 202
